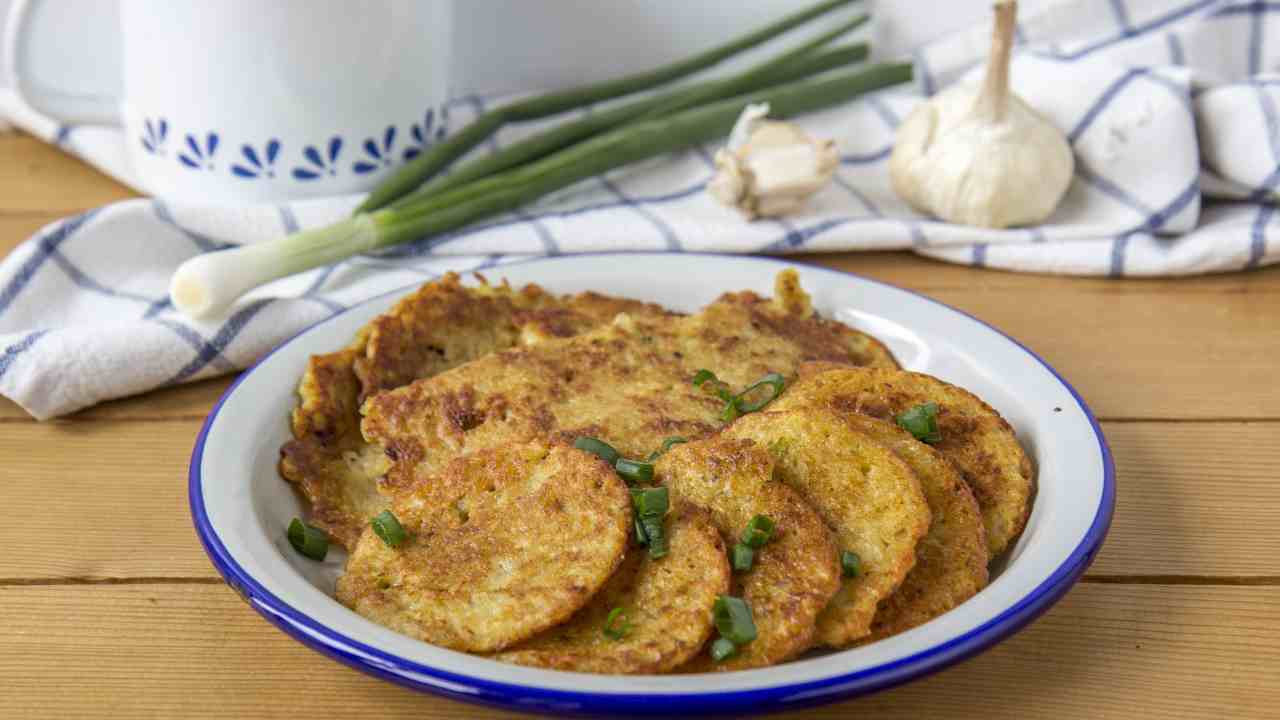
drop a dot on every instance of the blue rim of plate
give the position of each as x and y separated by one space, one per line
379 663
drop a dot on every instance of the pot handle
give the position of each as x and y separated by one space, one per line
64 105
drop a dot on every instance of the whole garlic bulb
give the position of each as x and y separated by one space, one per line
770 168
980 155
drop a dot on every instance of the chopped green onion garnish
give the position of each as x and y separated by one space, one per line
730 411
720 387
650 502
658 544
723 649
850 563
921 421
776 384
596 447
634 471
742 557
733 619
666 445
651 506
672 442
616 626
757 532
389 529
308 541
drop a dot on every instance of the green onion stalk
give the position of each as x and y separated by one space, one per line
796 64
440 155
210 282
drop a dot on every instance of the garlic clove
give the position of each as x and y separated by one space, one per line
770 168
980 155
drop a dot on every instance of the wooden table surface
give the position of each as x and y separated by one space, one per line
110 607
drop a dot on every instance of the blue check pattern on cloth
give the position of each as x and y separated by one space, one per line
1170 107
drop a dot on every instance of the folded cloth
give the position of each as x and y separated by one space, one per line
1167 106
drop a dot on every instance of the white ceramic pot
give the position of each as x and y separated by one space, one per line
244 101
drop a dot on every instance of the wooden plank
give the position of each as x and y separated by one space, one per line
17 228
183 402
39 177
1106 651
1195 499
1154 355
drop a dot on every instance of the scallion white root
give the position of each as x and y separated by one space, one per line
208 284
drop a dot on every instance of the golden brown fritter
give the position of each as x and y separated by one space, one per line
504 544
327 459
445 324
951 560
742 336
864 492
668 604
795 574
627 383
974 436
441 325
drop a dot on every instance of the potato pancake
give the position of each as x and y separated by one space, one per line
975 438
666 605
627 383
951 559
442 325
794 575
503 544
864 492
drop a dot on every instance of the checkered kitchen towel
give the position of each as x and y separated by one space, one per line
1168 105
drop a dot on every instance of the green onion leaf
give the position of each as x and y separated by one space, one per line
651 506
702 376
641 537
634 471
733 619
774 381
440 155
616 626
758 531
666 445
723 649
308 541
850 563
650 502
730 411
389 529
658 544
596 447
742 557
921 421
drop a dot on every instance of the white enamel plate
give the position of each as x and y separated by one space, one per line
241 507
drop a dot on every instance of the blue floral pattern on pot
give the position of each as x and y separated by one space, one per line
376 156
155 133
427 133
255 165
318 165
195 156
257 159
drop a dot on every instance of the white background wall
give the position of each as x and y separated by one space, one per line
513 44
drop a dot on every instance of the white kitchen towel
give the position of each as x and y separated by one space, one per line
1168 106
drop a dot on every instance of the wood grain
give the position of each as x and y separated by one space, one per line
166 651
40 178
1195 499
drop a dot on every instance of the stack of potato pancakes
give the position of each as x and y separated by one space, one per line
598 484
